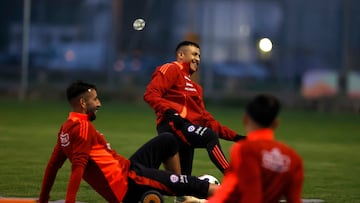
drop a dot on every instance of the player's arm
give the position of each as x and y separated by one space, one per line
249 175
210 122
57 159
229 190
293 194
81 146
162 80
224 132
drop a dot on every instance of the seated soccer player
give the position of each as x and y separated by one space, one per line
114 177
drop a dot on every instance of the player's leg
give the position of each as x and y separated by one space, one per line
186 152
160 149
173 164
142 179
217 155
197 137
134 192
203 137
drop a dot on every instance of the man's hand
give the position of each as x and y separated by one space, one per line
173 116
239 137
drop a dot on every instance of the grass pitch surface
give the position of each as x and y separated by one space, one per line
328 142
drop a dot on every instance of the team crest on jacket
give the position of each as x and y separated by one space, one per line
274 160
191 128
174 178
64 139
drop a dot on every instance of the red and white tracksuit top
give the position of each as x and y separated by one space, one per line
171 87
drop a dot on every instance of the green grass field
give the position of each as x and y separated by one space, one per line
328 142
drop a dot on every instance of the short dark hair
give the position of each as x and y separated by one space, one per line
77 88
263 109
186 43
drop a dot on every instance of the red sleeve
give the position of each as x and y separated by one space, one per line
57 159
293 194
210 122
241 182
162 80
223 131
229 189
81 140
249 174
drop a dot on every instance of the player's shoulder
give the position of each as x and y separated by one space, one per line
78 124
168 68
287 149
238 146
292 154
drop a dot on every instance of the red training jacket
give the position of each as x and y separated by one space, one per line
171 87
262 170
91 158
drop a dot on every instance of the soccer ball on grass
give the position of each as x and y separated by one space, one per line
210 179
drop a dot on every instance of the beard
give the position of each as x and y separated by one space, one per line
91 115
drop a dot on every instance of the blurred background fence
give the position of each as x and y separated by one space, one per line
307 52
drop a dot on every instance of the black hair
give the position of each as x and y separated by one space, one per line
77 88
263 109
186 43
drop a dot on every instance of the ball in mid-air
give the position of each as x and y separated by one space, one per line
139 24
210 179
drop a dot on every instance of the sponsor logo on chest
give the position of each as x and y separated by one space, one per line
189 86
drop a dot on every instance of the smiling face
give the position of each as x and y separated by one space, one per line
90 103
189 54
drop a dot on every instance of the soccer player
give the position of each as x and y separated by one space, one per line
114 177
261 170
180 109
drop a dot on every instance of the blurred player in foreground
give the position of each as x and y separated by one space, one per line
261 170
114 177
180 109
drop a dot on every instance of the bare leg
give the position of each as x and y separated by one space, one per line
173 164
212 189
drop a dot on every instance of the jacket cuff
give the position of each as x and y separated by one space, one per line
239 137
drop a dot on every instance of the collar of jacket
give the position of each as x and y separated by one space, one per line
185 66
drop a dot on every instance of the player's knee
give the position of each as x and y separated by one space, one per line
211 134
212 137
169 141
168 138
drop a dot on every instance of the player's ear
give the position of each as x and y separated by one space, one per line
275 124
180 54
82 102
